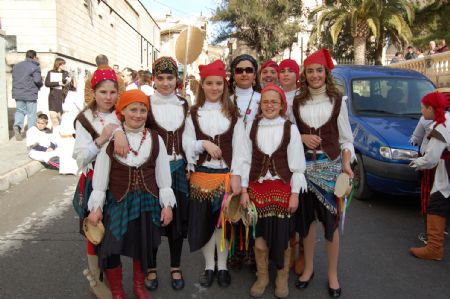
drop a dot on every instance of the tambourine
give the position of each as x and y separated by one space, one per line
93 233
343 185
232 210
249 215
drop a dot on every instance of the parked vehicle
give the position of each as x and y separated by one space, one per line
384 108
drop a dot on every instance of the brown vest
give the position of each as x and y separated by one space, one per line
172 139
124 178
329 132
224 141
277 163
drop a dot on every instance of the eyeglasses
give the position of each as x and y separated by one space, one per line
241 70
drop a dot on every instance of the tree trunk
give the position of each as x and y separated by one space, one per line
359 43
379 53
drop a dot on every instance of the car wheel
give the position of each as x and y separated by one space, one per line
362 191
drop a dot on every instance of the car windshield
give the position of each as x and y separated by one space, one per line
389 96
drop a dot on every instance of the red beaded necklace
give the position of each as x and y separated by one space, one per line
136 152
102 120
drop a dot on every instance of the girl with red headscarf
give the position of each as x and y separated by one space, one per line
322 118
437 153
94 127
273 164
132 195
269 73
209 141
288 74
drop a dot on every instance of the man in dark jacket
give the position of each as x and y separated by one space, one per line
26 82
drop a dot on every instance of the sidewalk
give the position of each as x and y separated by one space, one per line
15 165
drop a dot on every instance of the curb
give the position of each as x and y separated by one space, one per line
19 174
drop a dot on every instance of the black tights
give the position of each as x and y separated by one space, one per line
175 246
113 261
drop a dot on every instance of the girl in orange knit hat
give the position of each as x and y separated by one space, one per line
132 195
272 170
209 142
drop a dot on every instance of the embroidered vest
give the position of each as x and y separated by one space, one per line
224 141
172 139
277 163
329 131
124 178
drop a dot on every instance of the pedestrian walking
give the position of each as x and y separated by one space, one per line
210 143
437 153
322 118
441 47
26 82
94 127
273 166
57 78
269 73
410 54
432 48
133 207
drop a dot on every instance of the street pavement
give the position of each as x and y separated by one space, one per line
42 255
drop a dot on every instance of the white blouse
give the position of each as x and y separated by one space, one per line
247 101
85 150
162 169
212 122
168 112
317 111
432 157
269 138
290 95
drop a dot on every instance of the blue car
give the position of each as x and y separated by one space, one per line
384 108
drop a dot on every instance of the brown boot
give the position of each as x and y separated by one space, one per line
262 272
300 261
293 244
98 287
435 247
281 282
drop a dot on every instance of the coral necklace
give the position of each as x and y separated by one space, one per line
136 152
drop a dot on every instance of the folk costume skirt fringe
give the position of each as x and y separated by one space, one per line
275 224
319 202
208 187
178 228
132 228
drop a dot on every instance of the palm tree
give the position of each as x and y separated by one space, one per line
365 17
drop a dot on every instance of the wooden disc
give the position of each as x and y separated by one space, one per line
189 45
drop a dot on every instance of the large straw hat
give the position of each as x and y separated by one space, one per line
93 233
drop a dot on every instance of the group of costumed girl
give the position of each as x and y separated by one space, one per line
166 162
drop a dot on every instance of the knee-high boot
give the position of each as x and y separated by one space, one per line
114 276
98 287
300 261
281 282
293 244
262 272
139 289
435 247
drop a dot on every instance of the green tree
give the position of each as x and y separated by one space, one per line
267 26
364 18
431 23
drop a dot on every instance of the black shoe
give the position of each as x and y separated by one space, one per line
207 278
17 134
303 284
151 284
334 293
177 284
224 278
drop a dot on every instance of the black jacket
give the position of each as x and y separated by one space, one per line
27 80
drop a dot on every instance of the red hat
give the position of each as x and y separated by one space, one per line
268 63
131 96
216 68
278 89
292 64
102 75
322 57
438 102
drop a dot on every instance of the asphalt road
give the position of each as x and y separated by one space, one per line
43 256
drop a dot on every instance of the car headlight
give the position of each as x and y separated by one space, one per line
397 154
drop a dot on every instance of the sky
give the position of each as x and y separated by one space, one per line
181 8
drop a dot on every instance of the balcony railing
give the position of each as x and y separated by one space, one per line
436 67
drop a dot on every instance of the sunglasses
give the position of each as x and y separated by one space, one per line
241 70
